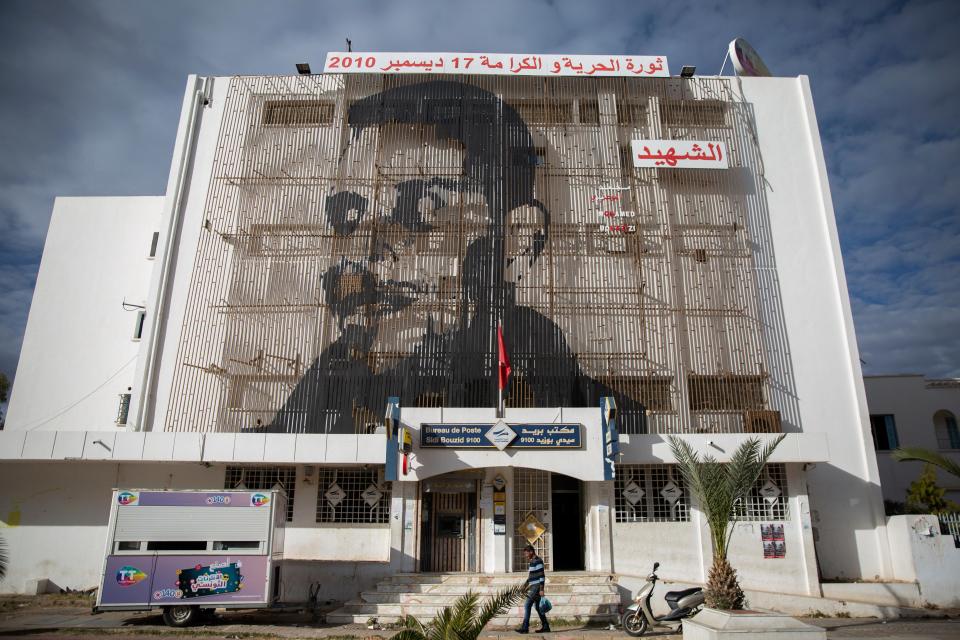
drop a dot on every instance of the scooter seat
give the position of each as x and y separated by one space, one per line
673 597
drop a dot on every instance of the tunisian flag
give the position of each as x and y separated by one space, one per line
503 370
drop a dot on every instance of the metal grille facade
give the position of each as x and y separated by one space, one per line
353 495
364 235
531 497
756 507
651 506
264 479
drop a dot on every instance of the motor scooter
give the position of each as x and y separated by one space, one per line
638 618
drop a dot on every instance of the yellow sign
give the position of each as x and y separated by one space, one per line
531 528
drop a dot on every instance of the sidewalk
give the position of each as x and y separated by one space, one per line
79 623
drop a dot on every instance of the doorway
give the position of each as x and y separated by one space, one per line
566 496
449 526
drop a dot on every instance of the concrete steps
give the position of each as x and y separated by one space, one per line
580 595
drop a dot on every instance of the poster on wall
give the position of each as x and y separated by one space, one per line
774 545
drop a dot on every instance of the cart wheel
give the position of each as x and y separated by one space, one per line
634 623
180 616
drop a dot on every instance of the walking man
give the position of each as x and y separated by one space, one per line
535 583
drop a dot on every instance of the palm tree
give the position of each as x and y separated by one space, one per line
930 457
465 619
719 487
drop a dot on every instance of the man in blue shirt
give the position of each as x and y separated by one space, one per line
535 582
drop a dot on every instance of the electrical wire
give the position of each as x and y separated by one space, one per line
71 406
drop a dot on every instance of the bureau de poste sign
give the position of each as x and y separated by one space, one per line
500 435
507 64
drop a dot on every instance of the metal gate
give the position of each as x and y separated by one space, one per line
531 508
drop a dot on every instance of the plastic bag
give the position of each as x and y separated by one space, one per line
544 605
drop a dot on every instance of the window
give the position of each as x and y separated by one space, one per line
353 495
298 113
693 113
589 111
138 325
177 545
650 493
544 111
768 500
945 424
153 244
264 479
632 113
725 393
884 432
123 411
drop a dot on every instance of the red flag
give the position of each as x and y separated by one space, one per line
504 368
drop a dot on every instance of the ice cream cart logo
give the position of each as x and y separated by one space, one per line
209 580
218 500
127 498
259 500
128 576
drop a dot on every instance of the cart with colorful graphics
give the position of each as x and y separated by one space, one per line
189 552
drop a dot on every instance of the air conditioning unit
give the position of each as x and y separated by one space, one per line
761 422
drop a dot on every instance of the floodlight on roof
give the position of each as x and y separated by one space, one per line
687 71
303 68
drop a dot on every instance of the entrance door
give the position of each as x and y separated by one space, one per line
450 527
568 523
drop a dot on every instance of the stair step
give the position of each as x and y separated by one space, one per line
489 588
445 599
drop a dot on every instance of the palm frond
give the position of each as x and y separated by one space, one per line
409 622
464 611
930 457
496 606
408 634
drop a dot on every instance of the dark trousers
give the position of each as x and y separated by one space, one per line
533 600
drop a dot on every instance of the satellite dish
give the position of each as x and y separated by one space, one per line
746 60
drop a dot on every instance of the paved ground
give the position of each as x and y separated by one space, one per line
38 623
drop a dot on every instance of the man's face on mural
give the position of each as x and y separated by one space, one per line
404 216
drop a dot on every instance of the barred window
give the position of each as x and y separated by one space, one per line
298 113
769 498
650 493
693 113
353 495
264 479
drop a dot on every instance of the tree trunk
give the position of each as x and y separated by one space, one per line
723 590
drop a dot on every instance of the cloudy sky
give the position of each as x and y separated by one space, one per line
91 95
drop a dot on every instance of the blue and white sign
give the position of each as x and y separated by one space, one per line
501 435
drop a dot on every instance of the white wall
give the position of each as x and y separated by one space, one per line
925 556
182 225
845 493
913 406
78 349
685 554
54 516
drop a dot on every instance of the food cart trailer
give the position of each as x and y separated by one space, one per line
188 552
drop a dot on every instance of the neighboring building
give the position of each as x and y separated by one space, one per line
912 411
329 242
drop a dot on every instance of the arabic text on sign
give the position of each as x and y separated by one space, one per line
679 154
497 64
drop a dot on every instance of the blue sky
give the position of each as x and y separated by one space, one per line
92 90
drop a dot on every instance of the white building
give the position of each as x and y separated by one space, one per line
913 411
291 282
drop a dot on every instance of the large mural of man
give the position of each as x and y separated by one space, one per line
437 318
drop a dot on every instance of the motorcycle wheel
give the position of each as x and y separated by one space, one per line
634 623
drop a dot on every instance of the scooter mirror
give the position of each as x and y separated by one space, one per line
656 565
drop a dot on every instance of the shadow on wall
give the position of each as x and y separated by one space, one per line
836 528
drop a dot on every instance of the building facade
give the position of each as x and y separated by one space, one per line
913 411
328 269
